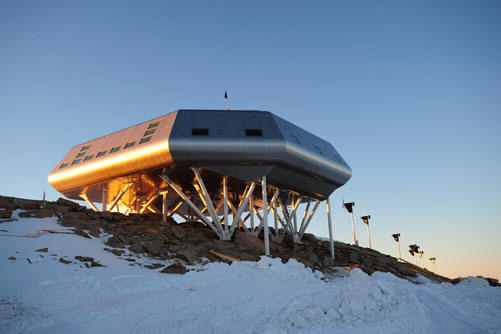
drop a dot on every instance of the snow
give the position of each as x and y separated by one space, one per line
251 297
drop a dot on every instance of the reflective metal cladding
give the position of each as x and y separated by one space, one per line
243 144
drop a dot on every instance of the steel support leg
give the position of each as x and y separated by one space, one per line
191 205
86 199
265 218
119 197
164 205
105 197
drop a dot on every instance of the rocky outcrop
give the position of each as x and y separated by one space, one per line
191 243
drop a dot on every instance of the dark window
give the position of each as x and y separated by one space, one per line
145 140
153 125
200 132
64 165
149 132
76 161
100 154
89 157
129 144
114 149
81 154
253 132
85 148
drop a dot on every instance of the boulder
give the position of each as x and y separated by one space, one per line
5 213
65 202
176 268
187 253
155 248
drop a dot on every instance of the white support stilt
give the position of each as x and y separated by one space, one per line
190 204
269 207
105 197
86 199
265 218
275 221
331 240
241 207
210 208
204 196
303 228
119 197
251 211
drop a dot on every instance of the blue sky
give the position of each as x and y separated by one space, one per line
408 92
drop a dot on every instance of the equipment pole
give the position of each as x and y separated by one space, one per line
399 254
353 227
331 241
369 234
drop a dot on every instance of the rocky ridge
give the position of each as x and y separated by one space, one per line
194 243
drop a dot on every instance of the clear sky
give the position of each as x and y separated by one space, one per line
408 92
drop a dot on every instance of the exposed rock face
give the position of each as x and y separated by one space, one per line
192 242
175 268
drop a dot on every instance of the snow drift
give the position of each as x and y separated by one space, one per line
47 295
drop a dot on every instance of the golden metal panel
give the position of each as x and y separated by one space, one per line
152 154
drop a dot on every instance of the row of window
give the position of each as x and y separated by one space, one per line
205 132
146 138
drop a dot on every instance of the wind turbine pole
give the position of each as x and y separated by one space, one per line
353 227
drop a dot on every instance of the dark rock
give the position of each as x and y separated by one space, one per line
154 266
44 250
6 203
187 254
327 262
26 204
155 248
178 232
96 264
58 209
114 242
136 247
84 258
79 216
38 213
106 215
176 268
64 202
12 258
29 261
5 213
63 260
200 251
117 252
81 233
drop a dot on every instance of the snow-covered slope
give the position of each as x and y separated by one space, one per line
251 297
